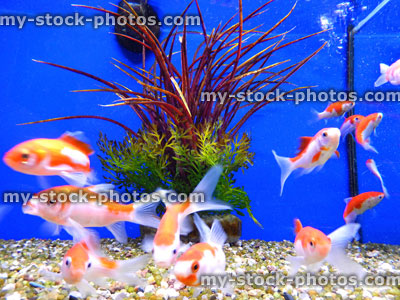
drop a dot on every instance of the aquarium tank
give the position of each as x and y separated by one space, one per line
200 149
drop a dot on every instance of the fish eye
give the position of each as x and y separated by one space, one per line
68 261
195 266
356 118
324 134
89 265
312 244
174 252
25 156
380 197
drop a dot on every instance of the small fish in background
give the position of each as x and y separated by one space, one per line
86 262
313 248
335 109
349 125
166 243
365 128
89 207
389 74
357 205
66 156
313 152
371 165
204 258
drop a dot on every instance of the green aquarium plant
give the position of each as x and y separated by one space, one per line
183 135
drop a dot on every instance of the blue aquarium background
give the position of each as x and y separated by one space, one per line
31 91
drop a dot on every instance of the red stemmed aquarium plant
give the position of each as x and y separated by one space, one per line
182 135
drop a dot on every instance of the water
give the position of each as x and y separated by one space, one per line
32 91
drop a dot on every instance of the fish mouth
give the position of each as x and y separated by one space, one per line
28 208
162 264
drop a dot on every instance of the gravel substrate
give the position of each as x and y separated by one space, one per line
20 262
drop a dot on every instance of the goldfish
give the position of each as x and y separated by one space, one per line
371 165
335 109
313 248
349 125
364 129
389 74
204 258
88 208
357 205
313 152
66 156
166 243
85 262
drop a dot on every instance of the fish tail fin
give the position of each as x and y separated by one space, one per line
205 189
127 269
337 256
382 79
367 146
286 168
145 214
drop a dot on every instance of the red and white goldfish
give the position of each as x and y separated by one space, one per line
65 156
335 109
166 243
313 152
349 125
204 258
357 205
86 262
389 74
371 165
313 248
88 208
365 128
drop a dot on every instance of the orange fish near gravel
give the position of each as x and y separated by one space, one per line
359 204
313 152
335 109
166 245
313 248
66 156
89 207
85 262
365 128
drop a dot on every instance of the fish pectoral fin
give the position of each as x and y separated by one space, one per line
314 268
50 228
337 153
147 243
77 179
119 232
295 264
49 275
346 266
85 288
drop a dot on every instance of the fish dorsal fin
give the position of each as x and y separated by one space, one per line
347 200
304 142
73 139
297 226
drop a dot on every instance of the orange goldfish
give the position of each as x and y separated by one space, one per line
365 128
335 109
65 156
391 74
204 258
166 243
313 152
91 210
350 124
313 248
86 262
359 204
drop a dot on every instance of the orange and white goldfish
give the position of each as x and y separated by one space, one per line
313 152
88 208
66 156
313 248
389 74
349 125
357 205
365 128
371 165
335 109
204 258
166 243
86 262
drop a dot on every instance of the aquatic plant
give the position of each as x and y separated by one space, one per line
176 121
